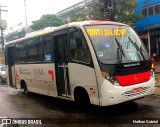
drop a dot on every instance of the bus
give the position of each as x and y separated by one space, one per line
91 62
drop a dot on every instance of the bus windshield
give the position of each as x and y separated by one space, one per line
113 41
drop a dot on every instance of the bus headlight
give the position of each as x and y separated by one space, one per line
116 83
111 79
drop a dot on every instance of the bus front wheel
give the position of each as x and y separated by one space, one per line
81 97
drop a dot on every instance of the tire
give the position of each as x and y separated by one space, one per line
1 80
82 98
25 91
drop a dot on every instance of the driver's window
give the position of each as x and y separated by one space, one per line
78 48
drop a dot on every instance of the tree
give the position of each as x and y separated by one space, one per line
49 20
96 13
78 17
93 13
122 10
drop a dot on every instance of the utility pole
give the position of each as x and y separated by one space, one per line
1 27
25 9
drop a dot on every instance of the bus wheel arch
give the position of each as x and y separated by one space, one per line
24 87
81 96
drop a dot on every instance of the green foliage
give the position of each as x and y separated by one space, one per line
49 20
124 11
96 14
92 14
77 17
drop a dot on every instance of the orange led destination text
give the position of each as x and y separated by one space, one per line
106 32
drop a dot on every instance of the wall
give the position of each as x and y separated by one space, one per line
149 21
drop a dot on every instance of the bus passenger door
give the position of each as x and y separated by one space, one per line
10 60
81 69
61 65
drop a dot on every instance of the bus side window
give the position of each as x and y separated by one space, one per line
34 50
21 52
78 47
47 49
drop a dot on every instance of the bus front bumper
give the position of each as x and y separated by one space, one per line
111 94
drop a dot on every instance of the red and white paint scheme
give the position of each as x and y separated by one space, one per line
90 62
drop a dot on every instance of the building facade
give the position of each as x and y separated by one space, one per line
81 7
149 26
67 12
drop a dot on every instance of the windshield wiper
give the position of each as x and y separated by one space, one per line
136 46
120 51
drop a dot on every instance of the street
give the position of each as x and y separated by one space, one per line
13 104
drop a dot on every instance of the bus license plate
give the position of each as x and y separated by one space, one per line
139 89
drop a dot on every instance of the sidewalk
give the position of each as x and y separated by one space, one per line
157 91
157 76
157 66
157 72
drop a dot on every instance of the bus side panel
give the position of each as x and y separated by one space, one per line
39 78
84 76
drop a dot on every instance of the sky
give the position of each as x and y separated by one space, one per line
35 9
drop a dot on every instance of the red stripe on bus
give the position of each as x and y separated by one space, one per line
17 75
134 78
52 74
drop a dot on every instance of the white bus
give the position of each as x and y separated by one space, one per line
97 62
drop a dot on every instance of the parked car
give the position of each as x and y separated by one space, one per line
2 73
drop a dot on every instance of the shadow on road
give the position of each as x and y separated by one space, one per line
72 107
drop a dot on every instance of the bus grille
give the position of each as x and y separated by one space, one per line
132 93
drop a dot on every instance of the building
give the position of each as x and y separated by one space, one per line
149 26
81 7
67 12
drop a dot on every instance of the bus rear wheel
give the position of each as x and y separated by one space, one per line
1 80
24 88
25 91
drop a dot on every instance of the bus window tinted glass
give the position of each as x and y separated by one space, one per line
21 52
47 49
78 48
34 50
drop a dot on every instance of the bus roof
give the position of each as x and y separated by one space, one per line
52 29
96 22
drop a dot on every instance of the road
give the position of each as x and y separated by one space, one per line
13 104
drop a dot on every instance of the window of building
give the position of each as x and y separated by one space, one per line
78 48
157 9
47 49
144 12
21 53
150 11
34 50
